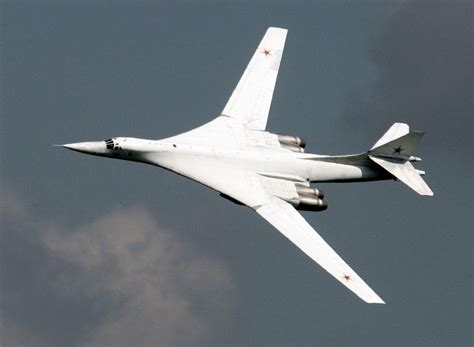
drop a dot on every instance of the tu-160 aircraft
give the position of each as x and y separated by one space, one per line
271 173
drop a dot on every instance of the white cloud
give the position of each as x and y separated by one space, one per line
145 285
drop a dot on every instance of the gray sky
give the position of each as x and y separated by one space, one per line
103 252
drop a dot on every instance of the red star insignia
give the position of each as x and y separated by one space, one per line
398 150
266 52
347 277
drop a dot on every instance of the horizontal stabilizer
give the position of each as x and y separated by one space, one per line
405 172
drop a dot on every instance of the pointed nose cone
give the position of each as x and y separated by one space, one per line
73 146
96 147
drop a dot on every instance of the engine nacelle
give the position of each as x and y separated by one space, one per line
308 203
292 140
309 191
292 148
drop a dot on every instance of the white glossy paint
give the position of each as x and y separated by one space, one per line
234 155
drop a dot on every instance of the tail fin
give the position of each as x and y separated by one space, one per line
403 146
396 130
395 150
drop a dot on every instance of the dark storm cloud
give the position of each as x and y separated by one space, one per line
424 57
422 52
120 279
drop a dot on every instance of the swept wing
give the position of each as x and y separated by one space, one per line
292 225
241 124
267 197
251 99
248 107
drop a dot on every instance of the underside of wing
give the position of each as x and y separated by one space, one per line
267 194
292 225
251 99
268 197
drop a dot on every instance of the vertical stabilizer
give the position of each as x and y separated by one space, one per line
395 151
396 130
404 146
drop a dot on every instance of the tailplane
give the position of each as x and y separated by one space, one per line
395 151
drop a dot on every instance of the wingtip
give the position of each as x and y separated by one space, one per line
370 297
277 29
426 192
374 300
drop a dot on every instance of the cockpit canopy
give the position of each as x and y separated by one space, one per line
109 143
112 144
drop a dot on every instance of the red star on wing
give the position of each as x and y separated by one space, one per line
266 52
346 277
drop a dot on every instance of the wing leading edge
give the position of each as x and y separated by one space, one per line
250 101
292 225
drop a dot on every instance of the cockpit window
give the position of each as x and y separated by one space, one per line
109 143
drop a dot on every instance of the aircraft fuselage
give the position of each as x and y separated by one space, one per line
187 160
